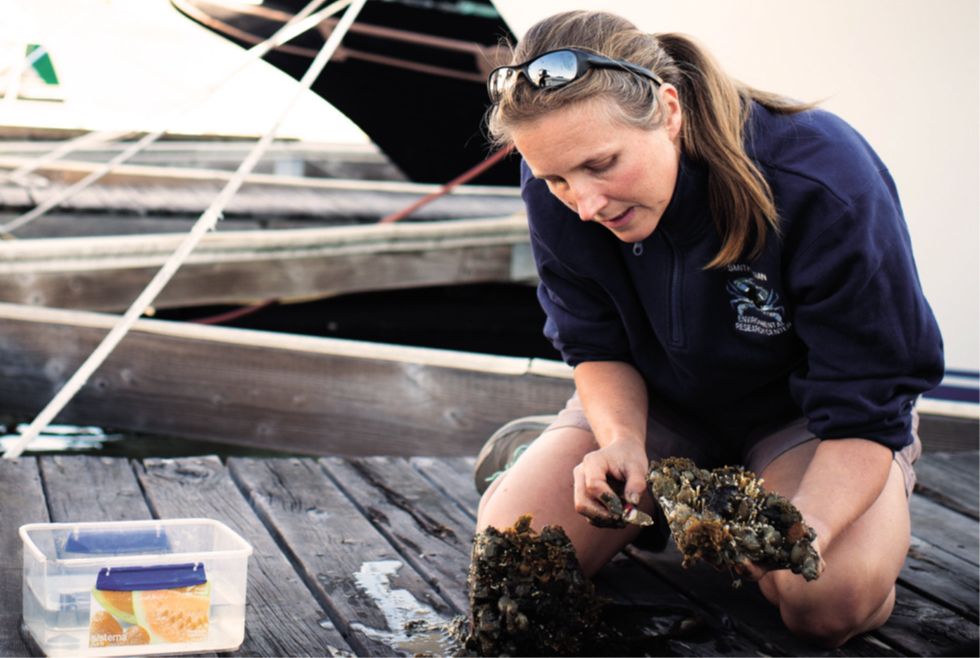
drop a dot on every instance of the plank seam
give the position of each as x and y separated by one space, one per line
139 469
949 502
44 486
459 503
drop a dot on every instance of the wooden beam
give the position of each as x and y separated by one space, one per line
107 273
276 391
70 171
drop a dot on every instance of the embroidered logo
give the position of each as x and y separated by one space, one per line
757 307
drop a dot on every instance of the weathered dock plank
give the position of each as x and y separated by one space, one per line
954 532
429 531
950 478
282 618
920 627
953 582
84 488
21 501
454 477
358 576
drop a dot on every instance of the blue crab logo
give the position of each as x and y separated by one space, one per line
758 308
747 295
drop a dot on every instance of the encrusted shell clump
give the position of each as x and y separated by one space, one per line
621 514
724 517
528 595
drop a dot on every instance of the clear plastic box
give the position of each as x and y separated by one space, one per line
134 587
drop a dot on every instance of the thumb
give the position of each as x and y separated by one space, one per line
636 485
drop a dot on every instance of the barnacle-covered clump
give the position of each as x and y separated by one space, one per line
528 595
724 517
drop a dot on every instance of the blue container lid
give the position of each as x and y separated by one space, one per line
107 542
158 576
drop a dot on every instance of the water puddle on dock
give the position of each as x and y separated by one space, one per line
412 626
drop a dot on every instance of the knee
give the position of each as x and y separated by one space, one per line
830 621
485 500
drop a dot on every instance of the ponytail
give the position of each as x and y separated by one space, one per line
716 109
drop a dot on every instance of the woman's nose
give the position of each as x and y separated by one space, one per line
589 203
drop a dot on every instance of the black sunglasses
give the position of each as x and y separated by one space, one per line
557 68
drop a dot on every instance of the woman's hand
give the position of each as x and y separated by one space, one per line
614 396
624 462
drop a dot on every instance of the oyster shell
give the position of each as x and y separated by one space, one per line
621 514
724 516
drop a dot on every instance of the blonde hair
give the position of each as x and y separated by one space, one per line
714 106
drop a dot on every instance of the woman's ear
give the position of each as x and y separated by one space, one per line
670 103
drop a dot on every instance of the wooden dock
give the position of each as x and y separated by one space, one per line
347 550
107 273
141 199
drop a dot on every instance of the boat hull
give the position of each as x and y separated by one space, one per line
411 75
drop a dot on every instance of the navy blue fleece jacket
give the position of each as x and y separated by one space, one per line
829 322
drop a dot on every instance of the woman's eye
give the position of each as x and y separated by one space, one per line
600 167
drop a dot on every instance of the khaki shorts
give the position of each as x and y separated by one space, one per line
670 436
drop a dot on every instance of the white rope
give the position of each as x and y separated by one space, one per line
205 222
296 26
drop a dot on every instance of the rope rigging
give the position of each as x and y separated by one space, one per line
206 222
299 24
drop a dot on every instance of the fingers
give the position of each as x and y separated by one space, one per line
596 497
636 482
589 492
821 563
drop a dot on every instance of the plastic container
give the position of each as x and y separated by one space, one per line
134 587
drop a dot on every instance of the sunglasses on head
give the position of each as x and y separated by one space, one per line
558 68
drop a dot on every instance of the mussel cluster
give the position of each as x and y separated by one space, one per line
528 595
724 517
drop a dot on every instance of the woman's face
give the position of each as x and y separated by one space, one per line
606 171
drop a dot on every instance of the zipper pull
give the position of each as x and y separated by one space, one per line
637 248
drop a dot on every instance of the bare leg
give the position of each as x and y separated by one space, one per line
856 592
540 484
